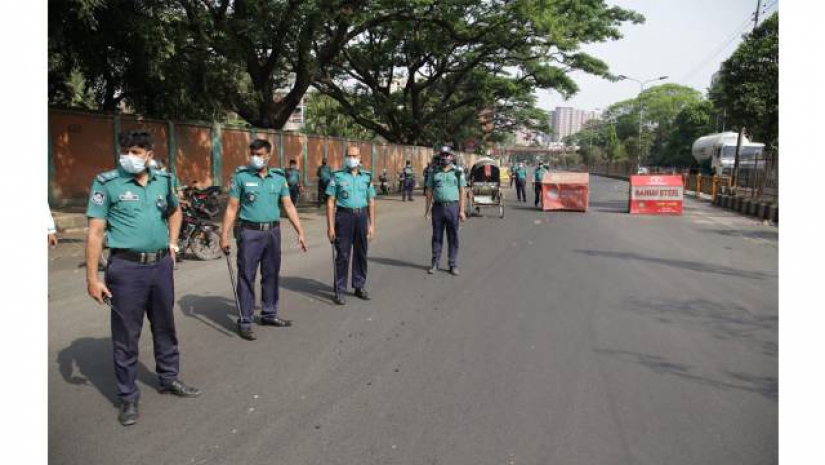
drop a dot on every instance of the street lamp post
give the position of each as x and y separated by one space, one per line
642 85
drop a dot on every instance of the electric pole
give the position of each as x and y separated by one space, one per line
756 14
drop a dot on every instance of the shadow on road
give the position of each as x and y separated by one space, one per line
609 207
88 361
311 287
723 322
683 264
761 234
398 263
219 313
766 386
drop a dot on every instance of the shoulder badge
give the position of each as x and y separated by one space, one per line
108 176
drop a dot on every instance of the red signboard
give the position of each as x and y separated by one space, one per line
565 191
656 195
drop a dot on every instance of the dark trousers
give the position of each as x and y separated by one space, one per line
293 194
537 193
139 289
445 216
520 192
408 189
258 248
322 192
351 238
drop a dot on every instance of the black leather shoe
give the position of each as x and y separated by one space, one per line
179 389
362 294
128 415
277 322
247 334
339 300
454 271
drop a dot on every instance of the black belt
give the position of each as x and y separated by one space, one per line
259 226
140 257
447 203
352 210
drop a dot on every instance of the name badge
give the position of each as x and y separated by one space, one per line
129 197
251 184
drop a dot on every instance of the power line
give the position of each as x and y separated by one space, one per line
736 34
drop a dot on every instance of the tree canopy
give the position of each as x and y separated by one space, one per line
748 84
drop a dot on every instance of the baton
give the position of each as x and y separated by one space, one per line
234 283
108 301
334 268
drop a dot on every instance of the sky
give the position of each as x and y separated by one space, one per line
686 40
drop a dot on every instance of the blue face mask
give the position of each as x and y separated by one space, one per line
257 162
132 164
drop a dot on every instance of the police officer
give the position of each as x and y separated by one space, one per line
324 174
137 208
254 195
293 177
521 182
408 178
351 223
445 199
538 174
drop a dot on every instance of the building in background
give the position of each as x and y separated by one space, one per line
567 121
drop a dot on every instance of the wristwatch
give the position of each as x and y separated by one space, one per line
174 248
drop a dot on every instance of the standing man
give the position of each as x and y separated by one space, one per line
255 191
351 223
293 177
538 175
138 210
445 199
408 179
521 182
324 174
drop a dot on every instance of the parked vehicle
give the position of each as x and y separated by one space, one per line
198 233
718 152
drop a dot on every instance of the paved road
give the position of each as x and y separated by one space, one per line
595 338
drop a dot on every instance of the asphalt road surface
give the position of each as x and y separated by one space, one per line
569 338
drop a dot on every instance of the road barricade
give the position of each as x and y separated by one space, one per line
656 195
565 191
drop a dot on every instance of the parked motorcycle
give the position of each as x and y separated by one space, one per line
198 232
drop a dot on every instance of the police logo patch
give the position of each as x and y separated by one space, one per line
97 198
161 203
129 197
345 195
250 197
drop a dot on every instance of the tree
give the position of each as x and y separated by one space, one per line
435 66
693 122
323 116
748 84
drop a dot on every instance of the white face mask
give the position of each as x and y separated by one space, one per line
132 164
352 162
257 162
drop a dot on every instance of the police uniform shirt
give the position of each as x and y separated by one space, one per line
259 197
445 184
135 215
538 174
293 176
521 173
351 191
324 173
408 172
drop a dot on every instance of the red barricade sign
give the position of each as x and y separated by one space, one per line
565 191
656 195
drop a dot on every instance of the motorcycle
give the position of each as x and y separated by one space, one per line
198 232
384 185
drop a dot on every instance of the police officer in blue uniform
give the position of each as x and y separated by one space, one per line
445 200
293 178
137 208
255 195
408 179
351 223
538 175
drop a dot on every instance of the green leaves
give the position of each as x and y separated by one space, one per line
748 84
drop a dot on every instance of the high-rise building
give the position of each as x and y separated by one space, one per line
567 121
